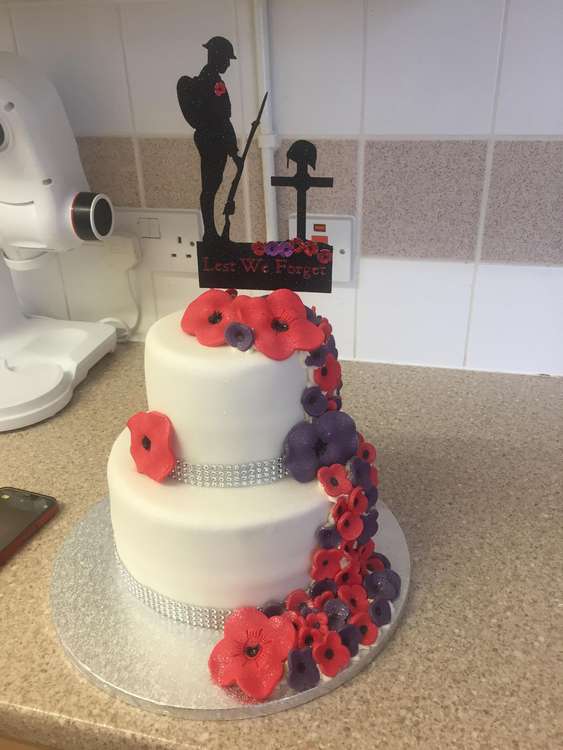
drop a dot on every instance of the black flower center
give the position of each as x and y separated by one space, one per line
316 625
308 640
346 523
363 629
320 447
146 442
252 651
334 481
345 577
365 454
279 325
301 667
353 602
215 317
324 371
329 654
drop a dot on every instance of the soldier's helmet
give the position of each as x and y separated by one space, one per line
302 151
221 46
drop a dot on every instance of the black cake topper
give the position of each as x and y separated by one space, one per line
222 262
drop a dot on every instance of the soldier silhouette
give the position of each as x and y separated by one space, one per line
205 104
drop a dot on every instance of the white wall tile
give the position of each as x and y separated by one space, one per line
431 66
78 47
316 65
517 320
164 41
413 311
531 94
174 292
6 36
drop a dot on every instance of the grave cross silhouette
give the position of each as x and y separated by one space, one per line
304 154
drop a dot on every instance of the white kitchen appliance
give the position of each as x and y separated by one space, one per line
45 206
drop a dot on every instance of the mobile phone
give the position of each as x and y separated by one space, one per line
22 513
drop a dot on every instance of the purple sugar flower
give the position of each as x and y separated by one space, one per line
285 249
380 612
337 612
317 358
312 317
239 336
330 439
372 494
360 473
351 636
331 346
272 248
384 584
273 608
328 537
314 401
319 587
370 527
302 672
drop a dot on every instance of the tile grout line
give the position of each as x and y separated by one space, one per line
134 138
360 172
13 29
486 182
245 175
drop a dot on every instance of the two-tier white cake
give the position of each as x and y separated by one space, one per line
245 498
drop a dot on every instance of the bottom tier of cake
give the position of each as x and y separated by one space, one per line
213 547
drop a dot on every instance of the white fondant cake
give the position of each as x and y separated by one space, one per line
212 546
226 406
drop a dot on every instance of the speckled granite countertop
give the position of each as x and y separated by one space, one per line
471 464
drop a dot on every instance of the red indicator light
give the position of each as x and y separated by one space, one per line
320 238
319 227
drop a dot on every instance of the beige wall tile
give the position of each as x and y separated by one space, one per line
256 197
109 164
422 198
524 221
335 158
171 172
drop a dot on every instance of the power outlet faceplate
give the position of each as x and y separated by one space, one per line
167 237
337 231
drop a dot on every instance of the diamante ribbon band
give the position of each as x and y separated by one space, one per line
230 475
211 618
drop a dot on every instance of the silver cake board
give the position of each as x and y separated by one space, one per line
156 663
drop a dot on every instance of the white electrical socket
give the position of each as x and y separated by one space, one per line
167 237
339 232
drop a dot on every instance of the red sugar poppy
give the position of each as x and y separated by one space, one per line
339 508
324 256
357 501
326 563
366 451
354 596
334 480
296 620
349 576
350 526
331 655
280 324
348 547
366 626
151 439
307 637
219 89
310 248
298 245
318 620
366 551
258 248
373 565
320 600
325 327
252 652
208 316
295 599
328 376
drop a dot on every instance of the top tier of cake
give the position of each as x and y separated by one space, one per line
227 406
